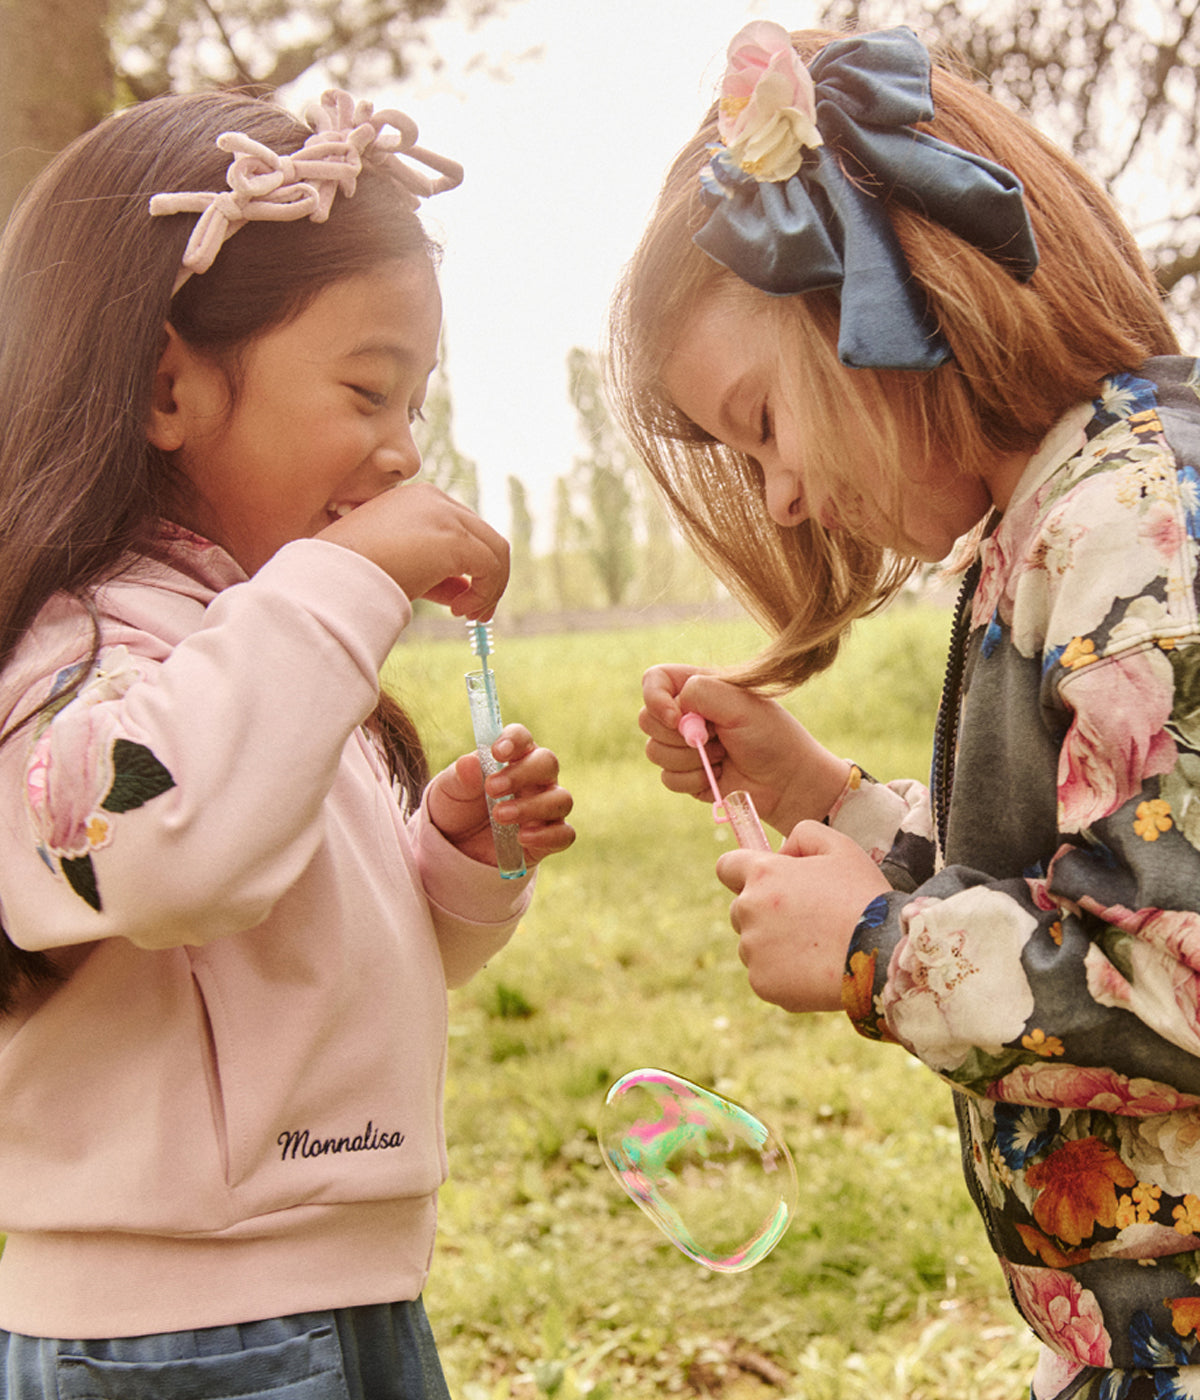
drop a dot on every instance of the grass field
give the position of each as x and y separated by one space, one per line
548 1280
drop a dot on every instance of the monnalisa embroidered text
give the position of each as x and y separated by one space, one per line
298 1142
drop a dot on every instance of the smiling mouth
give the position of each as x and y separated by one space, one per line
340 510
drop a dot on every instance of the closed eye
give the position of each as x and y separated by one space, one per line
372 396
764 425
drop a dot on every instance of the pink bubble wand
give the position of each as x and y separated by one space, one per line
737 809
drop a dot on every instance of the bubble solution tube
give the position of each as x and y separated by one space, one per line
486 721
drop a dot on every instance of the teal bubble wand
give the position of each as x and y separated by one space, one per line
487 724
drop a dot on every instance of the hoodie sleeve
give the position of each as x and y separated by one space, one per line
475 912
178 792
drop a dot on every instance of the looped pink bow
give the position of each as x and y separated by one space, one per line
265 185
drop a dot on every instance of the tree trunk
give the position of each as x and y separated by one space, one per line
56 81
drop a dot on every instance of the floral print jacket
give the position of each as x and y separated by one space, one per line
1049 968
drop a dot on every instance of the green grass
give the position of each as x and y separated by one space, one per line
547 1280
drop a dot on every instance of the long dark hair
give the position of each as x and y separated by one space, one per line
86 279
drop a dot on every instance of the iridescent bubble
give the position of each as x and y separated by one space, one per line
713 1177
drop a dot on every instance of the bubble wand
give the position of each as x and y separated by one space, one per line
486 721
738 807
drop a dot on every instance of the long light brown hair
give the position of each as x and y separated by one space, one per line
86 280
1022 354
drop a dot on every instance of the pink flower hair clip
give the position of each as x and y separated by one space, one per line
264 185
767 113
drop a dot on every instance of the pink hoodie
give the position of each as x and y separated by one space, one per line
231 1107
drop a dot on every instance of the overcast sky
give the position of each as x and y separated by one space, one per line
563 160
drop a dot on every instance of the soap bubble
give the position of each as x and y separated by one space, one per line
713 1177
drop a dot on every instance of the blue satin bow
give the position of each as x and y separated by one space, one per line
821 229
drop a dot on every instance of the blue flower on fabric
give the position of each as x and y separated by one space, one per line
875 914
1151 1348
1122 396
992 636
1189 494
1023 1133
1178 1385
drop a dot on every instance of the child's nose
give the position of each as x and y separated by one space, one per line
784 495
399 456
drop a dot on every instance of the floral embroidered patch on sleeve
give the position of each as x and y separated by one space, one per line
81 773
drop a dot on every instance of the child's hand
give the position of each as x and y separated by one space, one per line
432 546
758 746
795 914
539 806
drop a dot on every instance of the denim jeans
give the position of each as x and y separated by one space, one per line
379 1352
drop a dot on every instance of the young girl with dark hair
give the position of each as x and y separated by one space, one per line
232 900
878 320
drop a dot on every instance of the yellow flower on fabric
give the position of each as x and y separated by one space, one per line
1147 418
1139 1207
1042 1044
98 831
1079 651
1056 932
1146 1197
1187 1215
858 987
1152 818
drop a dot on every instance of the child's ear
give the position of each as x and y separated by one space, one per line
167 424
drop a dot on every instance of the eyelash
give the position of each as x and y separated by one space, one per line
376 400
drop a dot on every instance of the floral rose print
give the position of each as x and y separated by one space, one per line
1119 736
1056 1306
81 772
1049 968
956 980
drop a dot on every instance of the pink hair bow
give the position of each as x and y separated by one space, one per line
265 185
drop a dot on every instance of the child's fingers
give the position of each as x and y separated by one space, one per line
540 819
533 810
531 771
660 696
548 840
423 539
446 591
681 768
514 741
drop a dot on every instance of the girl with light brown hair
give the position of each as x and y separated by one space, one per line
877 321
